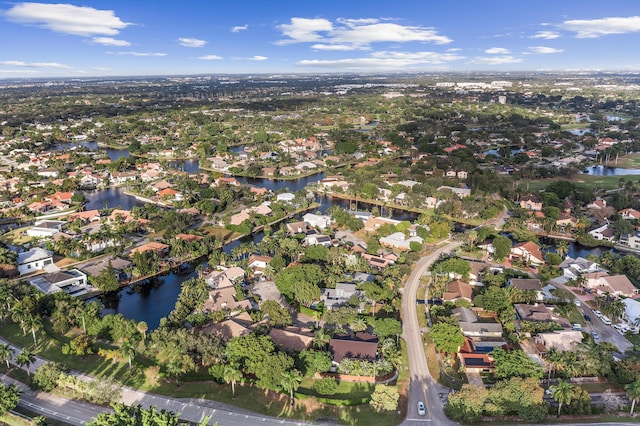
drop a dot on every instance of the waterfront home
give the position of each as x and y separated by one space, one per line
161 249
528 252
33 260
314 239
123 177
603 233
258 263
63 197
72 282
225 299
95 268
225 277
317 221
286 197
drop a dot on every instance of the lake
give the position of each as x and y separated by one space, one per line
610 171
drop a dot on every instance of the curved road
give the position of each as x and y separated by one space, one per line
190 409
422 387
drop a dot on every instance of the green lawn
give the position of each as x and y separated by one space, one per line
591 182
631 161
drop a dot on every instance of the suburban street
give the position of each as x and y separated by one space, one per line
192 410
422 386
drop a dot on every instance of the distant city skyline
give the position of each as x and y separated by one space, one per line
146 37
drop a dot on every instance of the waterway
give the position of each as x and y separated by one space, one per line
154 299
610 171
113 154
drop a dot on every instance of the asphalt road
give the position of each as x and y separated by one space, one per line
422 387
192 410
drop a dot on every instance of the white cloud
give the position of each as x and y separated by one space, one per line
594 28
357 33
4 71
257 58
547 35
385 60
67 18
496 60
137 53
335 47
109 41
239 28
210 57
34 64
302 30
191 42
543 50
497 51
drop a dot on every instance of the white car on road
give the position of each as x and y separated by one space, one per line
421 409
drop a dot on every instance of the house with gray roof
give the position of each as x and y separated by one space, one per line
33 260
72 282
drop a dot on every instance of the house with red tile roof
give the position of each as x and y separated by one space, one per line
528 252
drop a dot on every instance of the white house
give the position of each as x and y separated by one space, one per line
400 241
631 310
45 228
34 260
573 268
317 221
286 197
339 296
72 282
603 233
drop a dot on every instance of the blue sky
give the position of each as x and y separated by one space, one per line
158 37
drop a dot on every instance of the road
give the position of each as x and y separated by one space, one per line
191 410
606 332
422 387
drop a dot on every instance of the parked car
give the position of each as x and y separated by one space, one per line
595 336
421 408
598 313
577 302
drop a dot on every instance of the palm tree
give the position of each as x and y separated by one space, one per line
321 339
633 393
358 325
25 359
175 368
562 248
127 350
142 328
290 382
33 323
562 393
232 375
555 362
6 353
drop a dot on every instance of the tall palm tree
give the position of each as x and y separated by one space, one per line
562 393
633 393
25 359
562 248
232 375
290 382
33 323
6 353
127 350
142 328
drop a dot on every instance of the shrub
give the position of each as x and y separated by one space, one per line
326 386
